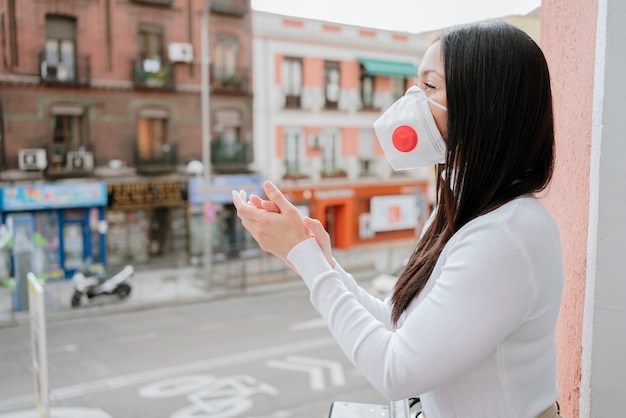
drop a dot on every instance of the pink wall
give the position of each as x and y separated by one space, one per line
568 33
312 72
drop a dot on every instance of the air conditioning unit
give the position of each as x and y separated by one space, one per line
58 71
180 52
32 159
80 160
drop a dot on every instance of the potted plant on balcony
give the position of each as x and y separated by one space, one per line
231 82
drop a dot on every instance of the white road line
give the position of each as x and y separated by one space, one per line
335 368
150 375
315 369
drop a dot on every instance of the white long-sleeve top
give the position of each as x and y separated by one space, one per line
478 341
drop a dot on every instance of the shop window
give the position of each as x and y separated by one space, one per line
291 74
331 84
151 138
60 55
150 45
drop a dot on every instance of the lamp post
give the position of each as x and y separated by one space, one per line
206 145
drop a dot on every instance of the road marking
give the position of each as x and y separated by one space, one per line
150 375
311 324
315 369
210 396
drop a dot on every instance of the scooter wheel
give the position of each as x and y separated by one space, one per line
76 300
122 291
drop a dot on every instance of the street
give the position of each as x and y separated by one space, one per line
252 356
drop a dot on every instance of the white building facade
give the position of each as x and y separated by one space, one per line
318 88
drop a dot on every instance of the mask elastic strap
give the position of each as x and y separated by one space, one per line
439 105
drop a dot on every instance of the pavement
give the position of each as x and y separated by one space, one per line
153 288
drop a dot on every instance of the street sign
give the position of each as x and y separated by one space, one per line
209 212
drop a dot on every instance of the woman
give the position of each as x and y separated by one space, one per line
469 327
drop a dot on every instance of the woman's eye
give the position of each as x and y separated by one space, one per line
428 86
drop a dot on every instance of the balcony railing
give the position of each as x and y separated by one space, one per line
163 161
231 7
229 153
76 73
152 74
228 81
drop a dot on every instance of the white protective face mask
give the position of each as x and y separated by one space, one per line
408 134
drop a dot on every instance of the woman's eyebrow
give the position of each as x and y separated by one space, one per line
427 71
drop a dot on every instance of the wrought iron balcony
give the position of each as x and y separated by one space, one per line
230 7
224 154
75 73
155 2
228 81
152 74
164 160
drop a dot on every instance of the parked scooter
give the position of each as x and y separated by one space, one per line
92 281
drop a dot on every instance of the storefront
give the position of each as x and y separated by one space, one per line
357 213
229 238
147 222
58 226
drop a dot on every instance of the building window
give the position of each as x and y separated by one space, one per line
151 138
331 84
331 153
293 151
225 56
67 133
398 87
228 146
366 151
150 45
367 92
291 72
60 55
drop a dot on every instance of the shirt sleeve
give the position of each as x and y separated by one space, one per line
381 310
481 292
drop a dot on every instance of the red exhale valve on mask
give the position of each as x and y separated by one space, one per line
404 138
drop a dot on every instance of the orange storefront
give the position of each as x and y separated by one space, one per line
359 213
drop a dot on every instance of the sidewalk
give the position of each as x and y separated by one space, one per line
173 286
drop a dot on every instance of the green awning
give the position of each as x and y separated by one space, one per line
390 68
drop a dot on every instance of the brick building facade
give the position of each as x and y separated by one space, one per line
110 91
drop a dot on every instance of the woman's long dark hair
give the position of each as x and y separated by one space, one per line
500 137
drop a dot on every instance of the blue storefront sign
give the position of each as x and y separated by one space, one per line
220 191
52 196
65 220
